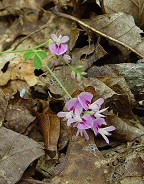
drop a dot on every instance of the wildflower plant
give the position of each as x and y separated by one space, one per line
81 113
85 115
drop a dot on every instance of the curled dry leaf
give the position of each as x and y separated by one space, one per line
102 90
125 100
133 7
124 128
17 69
87 55
16 154
18 117
50 127
133 74
24 71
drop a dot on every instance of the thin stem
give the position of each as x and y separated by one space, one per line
54 76
14 51
70 66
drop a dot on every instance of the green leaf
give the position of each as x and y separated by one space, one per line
29 54
42 54
78 77
37 62
78 68
83 73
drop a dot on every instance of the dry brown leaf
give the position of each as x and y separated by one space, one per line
16 154
15 86
133 74
17 69
125 100
121 27
3 105
83 165
18 7
124 128
50 127
87 55
73 37
18 117
24 71
133 7
125 163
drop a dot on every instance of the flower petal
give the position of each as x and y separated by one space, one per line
85 99
85 135
103 135
70 121
73 104
109 129
97 123
62 114
54 37
64 39
58 49
67 58
97 104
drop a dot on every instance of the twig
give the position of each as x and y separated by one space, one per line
54 10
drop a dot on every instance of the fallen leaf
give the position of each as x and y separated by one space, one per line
50 126
83 165
3 105
17 152
87 55
121 27
133 7
125 130
18 117
125 163
132 72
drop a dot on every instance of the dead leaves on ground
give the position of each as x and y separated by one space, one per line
133 7
16 154
71 161
50 127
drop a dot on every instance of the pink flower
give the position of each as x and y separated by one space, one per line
67 58
74 107
67 116
97 123
59 46
97 104
85 116
54 62
81 102
82 132
83 124
85 99
95 107
105 131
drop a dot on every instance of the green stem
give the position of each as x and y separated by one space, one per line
54 76
70 66
14 51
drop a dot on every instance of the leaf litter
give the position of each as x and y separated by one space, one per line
101 43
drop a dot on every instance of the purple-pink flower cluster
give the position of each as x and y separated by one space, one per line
85 115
